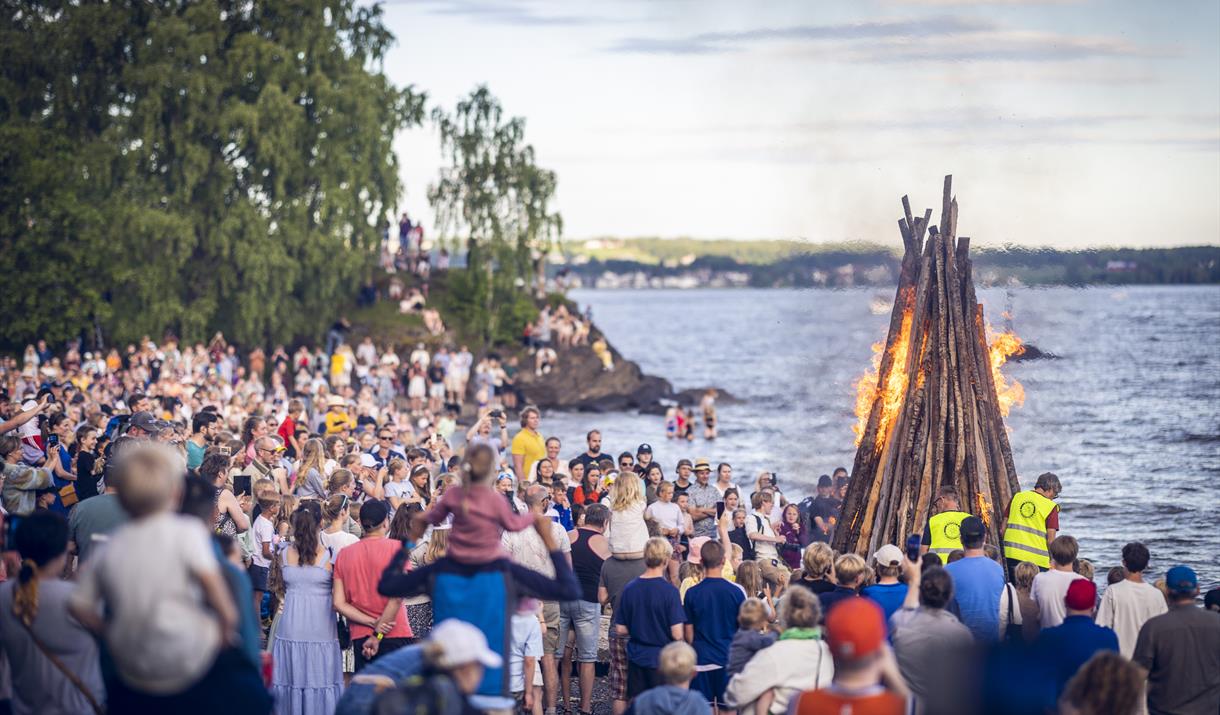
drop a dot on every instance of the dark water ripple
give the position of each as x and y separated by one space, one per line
1128 417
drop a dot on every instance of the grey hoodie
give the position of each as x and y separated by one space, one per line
669 700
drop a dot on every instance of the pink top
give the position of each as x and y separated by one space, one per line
480 514
359 567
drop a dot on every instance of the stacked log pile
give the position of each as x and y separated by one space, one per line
935 419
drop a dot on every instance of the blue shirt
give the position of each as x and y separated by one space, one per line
1066 647
648 607
977 583
711 607
889 596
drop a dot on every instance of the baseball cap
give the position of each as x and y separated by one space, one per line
972 527
145 421
644 449
888 555
1081 595
825 481
1181 579
702 463
855 627
683 463
462 643
367 460
696 549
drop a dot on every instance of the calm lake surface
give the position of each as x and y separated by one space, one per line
1128 416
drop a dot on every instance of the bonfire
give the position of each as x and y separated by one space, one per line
931 410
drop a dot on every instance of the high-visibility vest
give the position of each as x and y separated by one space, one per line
1025 537
946 533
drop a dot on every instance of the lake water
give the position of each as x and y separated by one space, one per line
1128 416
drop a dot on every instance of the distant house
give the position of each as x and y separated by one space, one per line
1120 266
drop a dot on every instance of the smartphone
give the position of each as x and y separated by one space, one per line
241 484
52 440
719 509
913 542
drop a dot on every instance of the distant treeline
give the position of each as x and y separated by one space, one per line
863 264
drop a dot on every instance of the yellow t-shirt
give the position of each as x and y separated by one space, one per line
530 445
338 421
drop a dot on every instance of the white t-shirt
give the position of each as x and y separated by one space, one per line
759 524
1125 607
668 515
337 541
527 641
402 490
1048 591
145 584
526 548
264 531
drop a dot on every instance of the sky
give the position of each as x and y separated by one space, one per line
1065 123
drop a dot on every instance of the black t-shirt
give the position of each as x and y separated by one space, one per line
436 374
586 460
86 480
679 489
825 507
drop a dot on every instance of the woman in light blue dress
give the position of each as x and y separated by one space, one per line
307 673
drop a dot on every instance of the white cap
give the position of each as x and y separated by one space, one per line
888 555
366 460
28 405
462 643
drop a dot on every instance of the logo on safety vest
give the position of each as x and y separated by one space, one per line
952 531
1028 510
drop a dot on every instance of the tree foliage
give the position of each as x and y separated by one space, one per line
192 166
495 195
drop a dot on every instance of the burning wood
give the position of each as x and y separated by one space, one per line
931 410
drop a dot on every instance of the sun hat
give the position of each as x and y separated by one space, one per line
462 643
702 464
696 549
334 401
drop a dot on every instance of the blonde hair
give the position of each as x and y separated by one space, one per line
657 552
148 476
438 546
676 664
338 479
333 507
817 560
1023 575
801 608
749 577
752 615
626 492
313 456
849 568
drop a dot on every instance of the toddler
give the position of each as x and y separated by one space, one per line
753 635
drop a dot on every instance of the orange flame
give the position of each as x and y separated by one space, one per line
984 509
1003 346
868 390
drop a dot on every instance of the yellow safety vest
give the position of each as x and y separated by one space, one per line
1025 537
946 534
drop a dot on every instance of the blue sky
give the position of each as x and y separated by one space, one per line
1068 123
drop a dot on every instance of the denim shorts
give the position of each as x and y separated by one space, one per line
585 617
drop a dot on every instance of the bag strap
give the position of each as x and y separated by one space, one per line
1011 598
59 664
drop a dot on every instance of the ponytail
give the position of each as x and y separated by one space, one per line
25 595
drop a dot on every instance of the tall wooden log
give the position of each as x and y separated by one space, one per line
945 428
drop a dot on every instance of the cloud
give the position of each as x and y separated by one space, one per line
932 39
507 13
724 42
976 3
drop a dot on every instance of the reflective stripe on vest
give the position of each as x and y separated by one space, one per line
946 534
1025 537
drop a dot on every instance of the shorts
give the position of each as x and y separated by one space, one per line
618 666
437 390
711 684
258 577
550 637
640 679
585 617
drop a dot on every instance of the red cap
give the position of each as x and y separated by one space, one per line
855 627
1081 595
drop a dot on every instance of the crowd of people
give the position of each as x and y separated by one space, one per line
181 536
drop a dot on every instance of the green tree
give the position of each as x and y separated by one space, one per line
495 195
192 166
